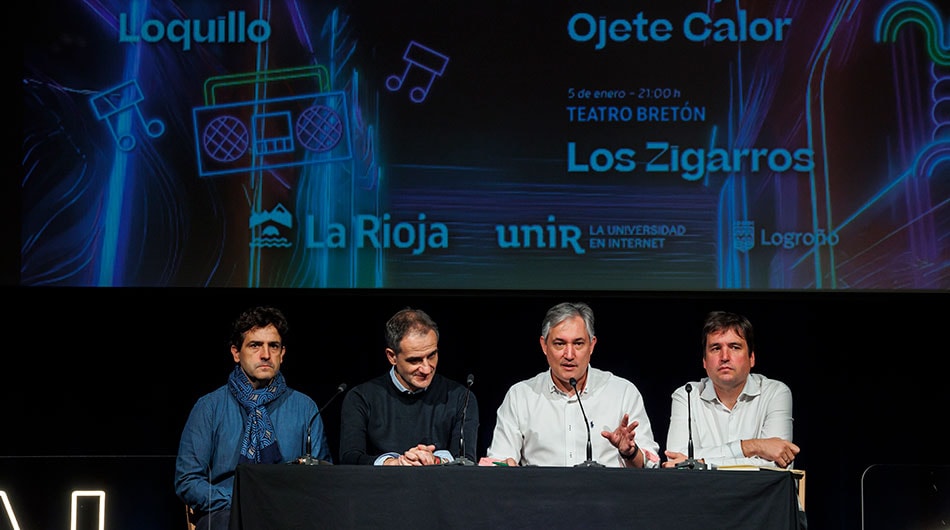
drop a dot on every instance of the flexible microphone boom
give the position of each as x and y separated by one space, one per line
690 462
308 459
590 451
463 460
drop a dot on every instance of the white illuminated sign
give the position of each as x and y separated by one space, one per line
9 510
73 508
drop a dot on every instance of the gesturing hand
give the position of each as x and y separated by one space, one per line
624 437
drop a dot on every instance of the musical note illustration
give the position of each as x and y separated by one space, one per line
424 58
111 106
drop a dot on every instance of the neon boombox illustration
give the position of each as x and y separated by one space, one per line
277 132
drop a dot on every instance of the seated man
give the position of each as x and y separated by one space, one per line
541 420
738 417
254 418
409 416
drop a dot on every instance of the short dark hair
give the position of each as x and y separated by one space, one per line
405 321
718 321
258 317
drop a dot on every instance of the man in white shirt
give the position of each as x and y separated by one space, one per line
541 420
739 418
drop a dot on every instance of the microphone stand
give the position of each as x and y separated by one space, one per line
690 462
308 459
463 460
590 452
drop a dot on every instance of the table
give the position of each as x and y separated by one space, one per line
341 496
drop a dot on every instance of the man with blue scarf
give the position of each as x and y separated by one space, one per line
254 418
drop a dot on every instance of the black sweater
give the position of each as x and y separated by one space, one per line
376 418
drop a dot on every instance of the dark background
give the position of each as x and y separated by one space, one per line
103 378
116 371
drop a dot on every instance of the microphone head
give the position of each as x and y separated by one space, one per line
573 383
689 388
470 380
341 388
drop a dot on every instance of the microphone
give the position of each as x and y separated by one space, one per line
463 460
690 462
590 452
308 459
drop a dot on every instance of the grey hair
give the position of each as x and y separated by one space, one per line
564 311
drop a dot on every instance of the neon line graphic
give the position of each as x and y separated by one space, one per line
112 222
303 36
257 175
819 136
896 231
923 13
929 158
318 72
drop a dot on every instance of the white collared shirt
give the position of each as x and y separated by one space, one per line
763 410
537 424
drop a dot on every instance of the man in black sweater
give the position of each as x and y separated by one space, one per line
409 416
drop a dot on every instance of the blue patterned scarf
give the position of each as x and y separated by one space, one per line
259 443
